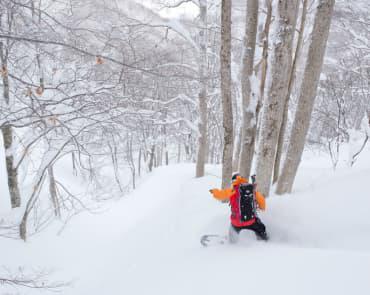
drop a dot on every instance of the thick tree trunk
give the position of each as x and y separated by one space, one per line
202 99
311 77
225 58
249 105
279 150
277 85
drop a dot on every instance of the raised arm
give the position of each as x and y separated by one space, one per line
222 194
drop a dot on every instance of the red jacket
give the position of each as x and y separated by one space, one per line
232 194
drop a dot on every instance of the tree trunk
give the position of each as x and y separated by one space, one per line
311 77
264 63
7 133
53 191
12 171
237 149
280 145
187 151
131 160
277 85
151 160
139 163
202 97
249 105
225 58
179 152
159 155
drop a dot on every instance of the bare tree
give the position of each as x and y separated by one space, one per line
6 23
310 81
277 85
202 97
262 65
36 280
279 149
366 120
225 59
265 48
249 98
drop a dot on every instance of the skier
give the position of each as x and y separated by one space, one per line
243 200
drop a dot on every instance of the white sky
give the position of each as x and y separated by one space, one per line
186 9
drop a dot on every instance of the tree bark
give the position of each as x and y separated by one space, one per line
7 131
311 77
151 160
130 157
139 162
53 191
279 149
265 49
237 148
225 58
249 105
263 64
179 152
202 97
277 85
12 171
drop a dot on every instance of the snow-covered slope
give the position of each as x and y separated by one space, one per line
148 242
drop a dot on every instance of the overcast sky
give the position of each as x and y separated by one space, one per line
188 9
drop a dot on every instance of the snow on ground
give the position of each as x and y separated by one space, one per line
148 242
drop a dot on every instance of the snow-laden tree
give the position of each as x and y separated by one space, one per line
292 76
277 85
227 111
343 92
94 93
310 82
249 102
7 16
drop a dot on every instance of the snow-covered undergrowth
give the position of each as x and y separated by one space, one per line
148 242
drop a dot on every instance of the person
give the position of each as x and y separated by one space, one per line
243 215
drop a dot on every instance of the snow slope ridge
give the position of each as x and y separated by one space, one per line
148 243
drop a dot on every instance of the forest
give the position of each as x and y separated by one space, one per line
100 98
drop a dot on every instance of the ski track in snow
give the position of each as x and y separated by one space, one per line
148 242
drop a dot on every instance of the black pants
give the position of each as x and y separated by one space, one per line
258 227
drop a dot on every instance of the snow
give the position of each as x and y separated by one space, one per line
176 25
148 242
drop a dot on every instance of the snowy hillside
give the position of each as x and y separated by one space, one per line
109 109
148 242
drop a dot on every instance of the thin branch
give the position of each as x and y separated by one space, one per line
50 42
